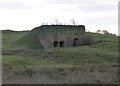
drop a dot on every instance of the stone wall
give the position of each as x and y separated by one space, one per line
48 34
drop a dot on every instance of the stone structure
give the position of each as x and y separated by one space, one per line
59 35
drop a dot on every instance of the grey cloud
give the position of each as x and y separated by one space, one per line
96 7
78 1
87 5
68 1
61 1
13 5
103 20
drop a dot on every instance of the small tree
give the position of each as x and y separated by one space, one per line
98 31
57 21
73 22
105 32
43 23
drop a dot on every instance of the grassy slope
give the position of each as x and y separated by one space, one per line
104 38
9 39
26 64
22 60
105 51
16 40
29 41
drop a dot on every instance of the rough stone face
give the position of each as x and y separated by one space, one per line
59 35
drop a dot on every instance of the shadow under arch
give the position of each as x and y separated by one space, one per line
75 41
55 43
61 43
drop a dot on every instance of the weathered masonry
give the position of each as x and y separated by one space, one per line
59 35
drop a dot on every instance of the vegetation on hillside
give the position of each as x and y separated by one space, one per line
23 56
99 49
29 41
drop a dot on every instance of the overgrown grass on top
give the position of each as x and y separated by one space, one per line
104 37
10 37
30 42
18 39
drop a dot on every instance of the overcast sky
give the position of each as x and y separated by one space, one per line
27 14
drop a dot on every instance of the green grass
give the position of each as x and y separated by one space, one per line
9 39
66 56
109 46
23 60
19 39
29 41
104 37
78 55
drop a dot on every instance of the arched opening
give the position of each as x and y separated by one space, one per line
56 43
75 41
61 43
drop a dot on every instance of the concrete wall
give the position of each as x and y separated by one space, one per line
47 34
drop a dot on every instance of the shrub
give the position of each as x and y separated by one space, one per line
86 40
105 32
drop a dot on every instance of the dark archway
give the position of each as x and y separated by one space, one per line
61 43
75 41
56 43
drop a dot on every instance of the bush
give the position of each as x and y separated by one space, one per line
86 40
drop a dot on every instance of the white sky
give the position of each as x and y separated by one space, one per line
27 14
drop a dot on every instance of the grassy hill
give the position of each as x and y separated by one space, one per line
104 50
17 40
9 39
29 41
22 51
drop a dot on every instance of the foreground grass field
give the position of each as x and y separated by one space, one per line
25 63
